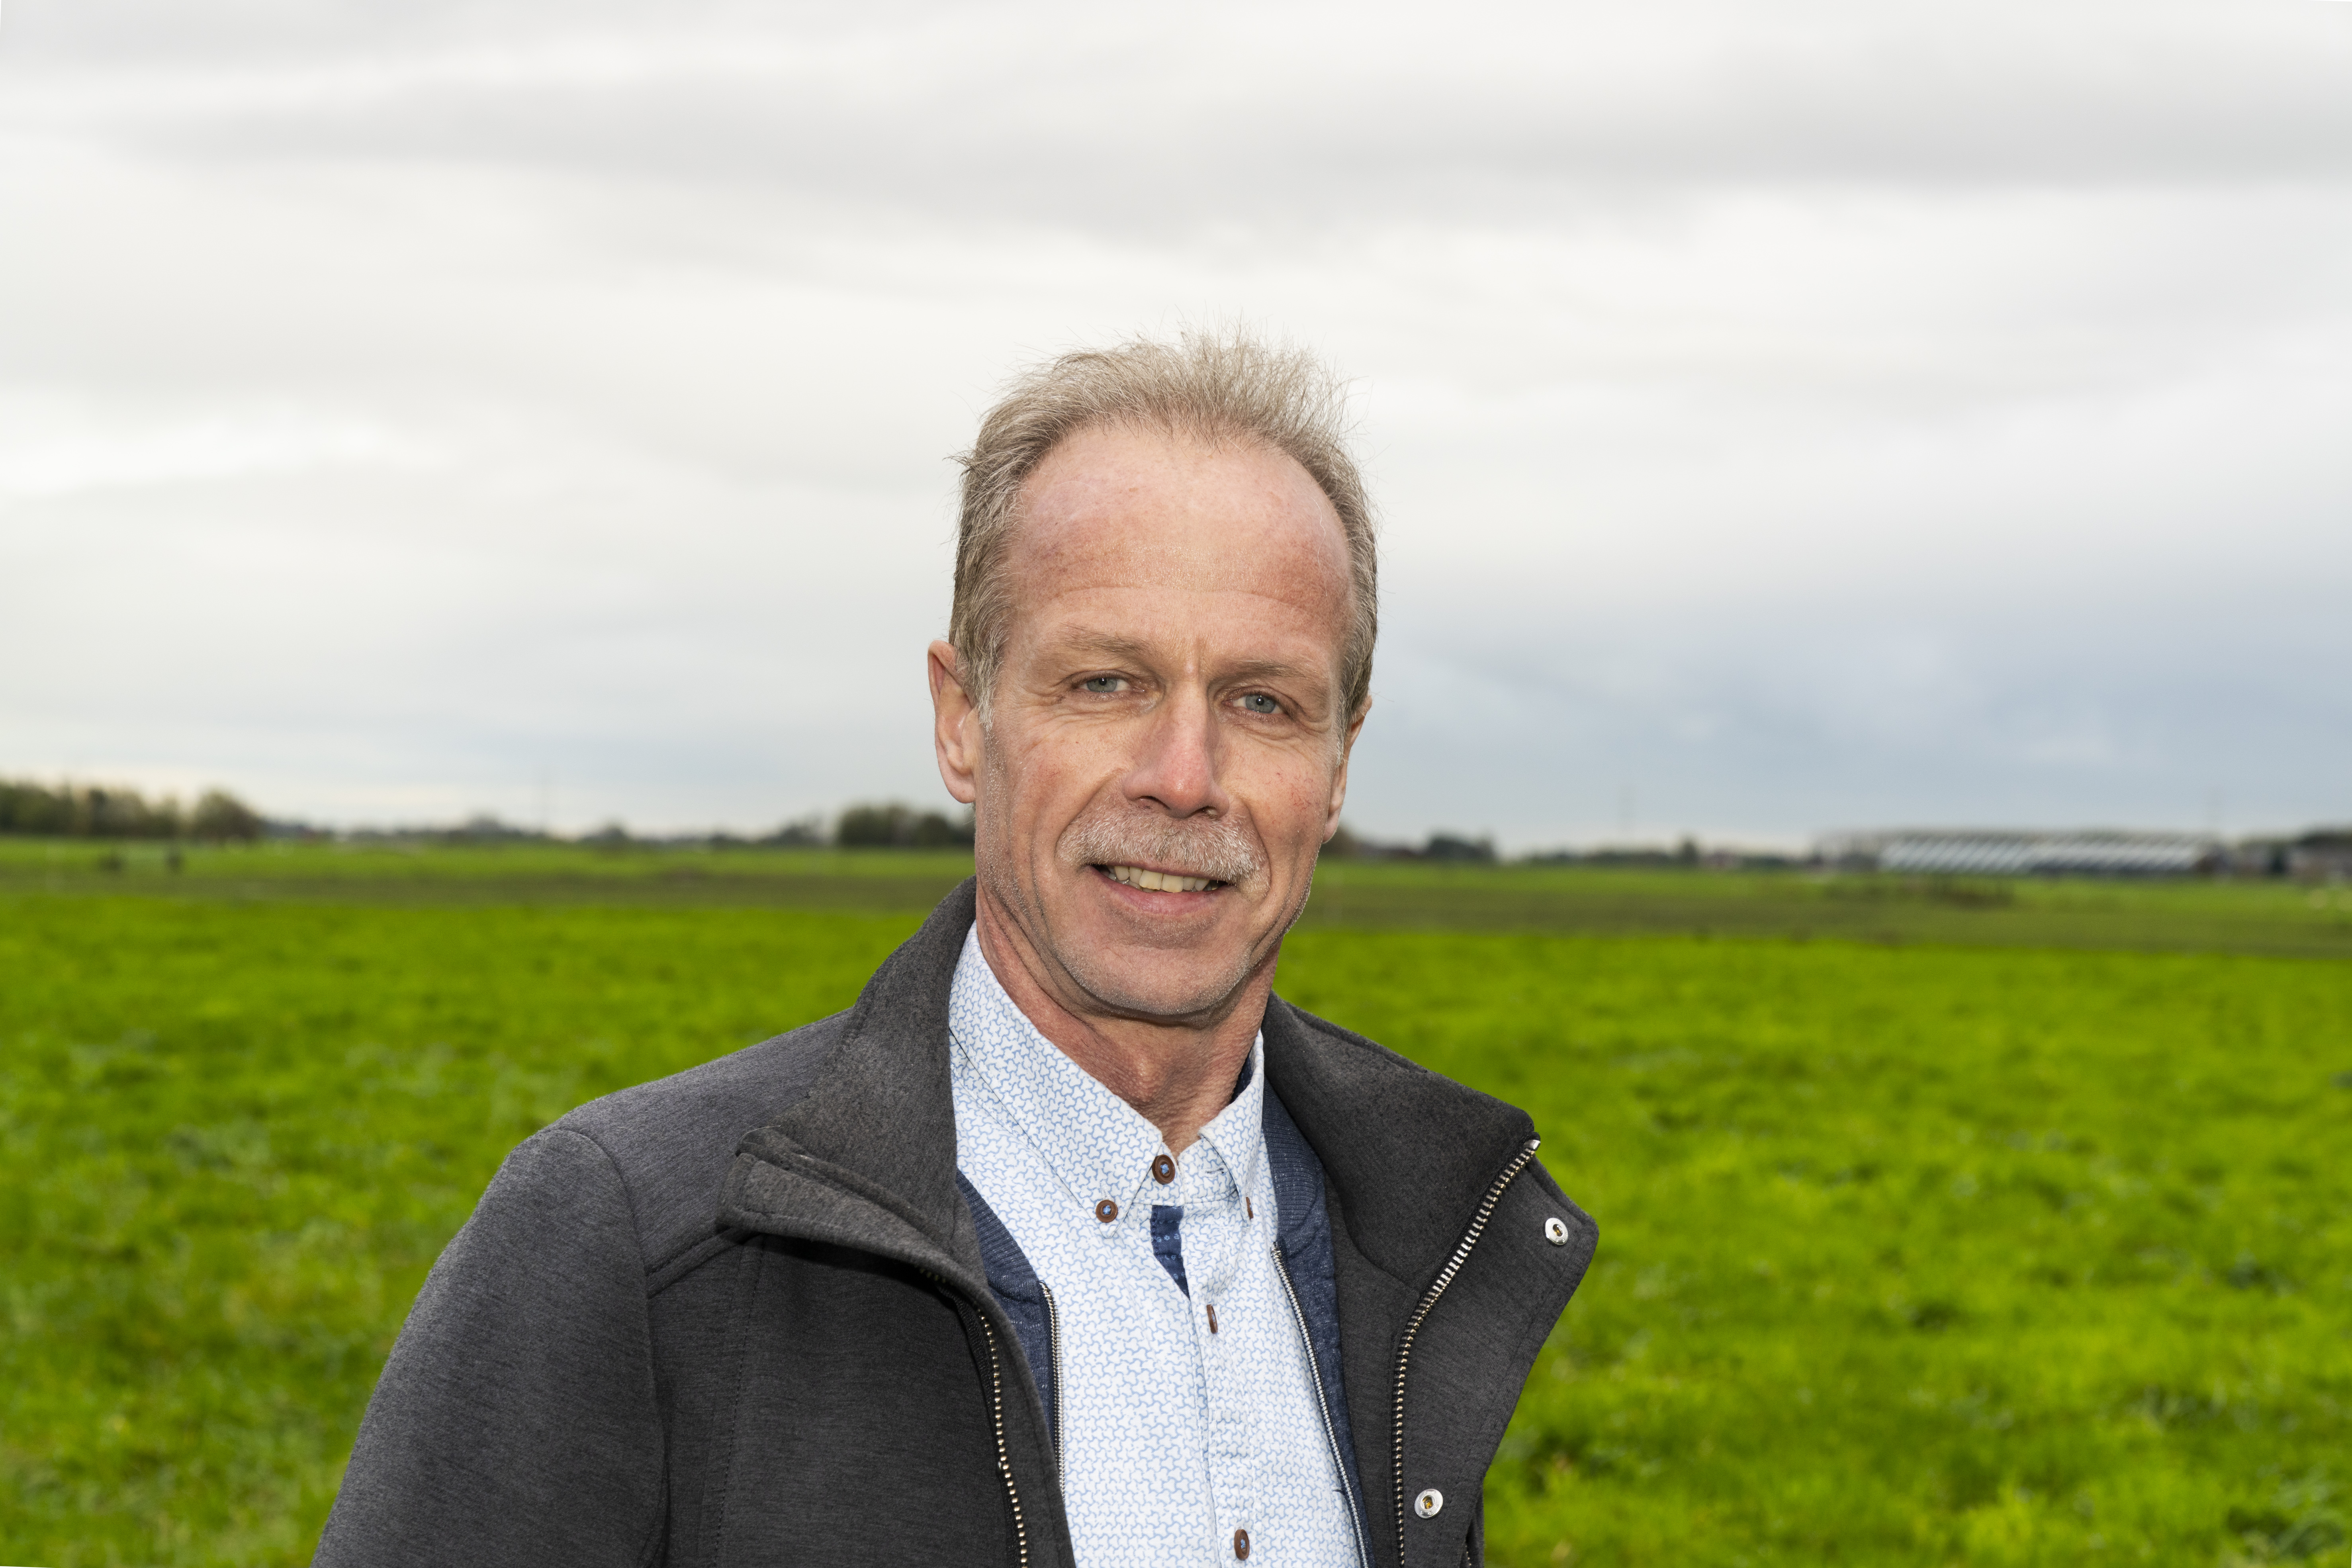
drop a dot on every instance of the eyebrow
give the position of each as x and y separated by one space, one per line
1264 669
1110 645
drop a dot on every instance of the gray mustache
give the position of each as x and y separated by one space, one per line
1216 849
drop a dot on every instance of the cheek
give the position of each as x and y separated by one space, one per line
1042 776
1300 802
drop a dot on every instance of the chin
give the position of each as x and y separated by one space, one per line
1145 985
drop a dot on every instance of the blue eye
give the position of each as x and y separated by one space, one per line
1099 683
1259 702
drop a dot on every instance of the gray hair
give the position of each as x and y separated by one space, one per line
1212 386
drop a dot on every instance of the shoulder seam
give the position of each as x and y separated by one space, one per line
689 1257
637 1226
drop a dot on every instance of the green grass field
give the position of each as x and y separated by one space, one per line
1913 1251
2280 918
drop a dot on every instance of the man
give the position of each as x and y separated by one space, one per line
1069 1244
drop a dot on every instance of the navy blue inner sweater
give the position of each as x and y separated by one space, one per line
1168 1241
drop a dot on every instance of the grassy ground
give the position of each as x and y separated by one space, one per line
874 881
2227 917
1910 1254
234 1137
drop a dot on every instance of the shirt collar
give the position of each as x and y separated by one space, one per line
1235 1134
1098 1146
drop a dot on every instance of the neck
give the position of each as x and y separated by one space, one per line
1178 1074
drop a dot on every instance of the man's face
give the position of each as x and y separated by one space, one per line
1167 750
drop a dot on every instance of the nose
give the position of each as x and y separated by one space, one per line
1175 764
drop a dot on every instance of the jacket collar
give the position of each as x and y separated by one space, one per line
1407 1155
867 1158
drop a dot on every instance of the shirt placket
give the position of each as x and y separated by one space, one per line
1219 1238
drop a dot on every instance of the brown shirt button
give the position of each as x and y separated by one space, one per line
1240 1545
1105 1211
1213 1316
1163 1170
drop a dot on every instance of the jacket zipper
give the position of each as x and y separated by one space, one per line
1054 1371
995 1413
1004 1454
1331 1433
1412 1326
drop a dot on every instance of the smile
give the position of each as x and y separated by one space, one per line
1159 881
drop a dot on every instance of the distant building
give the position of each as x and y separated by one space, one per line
2003 852
2323 855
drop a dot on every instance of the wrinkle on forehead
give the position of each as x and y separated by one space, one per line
1115 508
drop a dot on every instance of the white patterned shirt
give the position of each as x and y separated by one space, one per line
1182 1444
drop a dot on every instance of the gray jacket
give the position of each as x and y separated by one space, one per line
743 1315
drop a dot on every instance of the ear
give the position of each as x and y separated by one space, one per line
956 735
1339 774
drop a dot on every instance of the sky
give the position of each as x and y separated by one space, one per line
1781 418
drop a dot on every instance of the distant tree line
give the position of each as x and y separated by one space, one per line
1348 845
896 826
869 825
107 811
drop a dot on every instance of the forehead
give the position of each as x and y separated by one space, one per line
1116 508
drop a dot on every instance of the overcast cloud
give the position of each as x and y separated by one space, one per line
1783 417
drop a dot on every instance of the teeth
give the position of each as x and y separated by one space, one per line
1157 881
